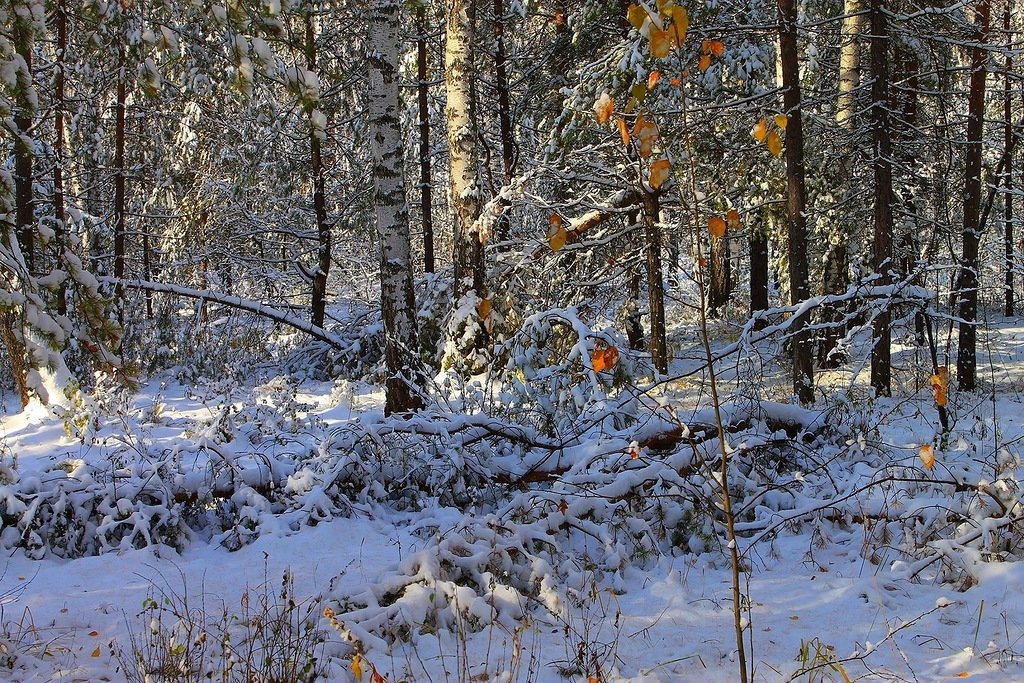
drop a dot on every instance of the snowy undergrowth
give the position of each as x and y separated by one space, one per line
520 519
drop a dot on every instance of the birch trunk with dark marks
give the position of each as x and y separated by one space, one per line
403 386
423 104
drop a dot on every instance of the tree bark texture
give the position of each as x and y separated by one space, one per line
881 355
423 103
1008 296
658 345
966 360
803 370
403 386
323 227
24 113
463 149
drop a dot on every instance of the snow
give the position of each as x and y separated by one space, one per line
421 574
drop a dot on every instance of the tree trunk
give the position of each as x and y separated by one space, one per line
835 275
119 182
1008 302
881 362
423 92
323 228
721 276
463 150
403 386
803 370
24 152
757 236
508 154
59 215
655 284
966 360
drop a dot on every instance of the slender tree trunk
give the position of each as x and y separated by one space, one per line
10 325
881 362
835 271
423 92
719 286
655 284
24 146
803 370
757 235
1008 302
403 386
508 150
323 228
119 177
464 157
59 215
966 361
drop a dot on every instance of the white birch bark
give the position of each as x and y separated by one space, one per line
849 61
462 148
398 306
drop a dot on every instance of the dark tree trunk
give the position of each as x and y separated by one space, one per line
655 284
59 215
881 362
120 207
1008 302
323 228
803 370
721 276
757 235
508 150
24 202
423 101
966 360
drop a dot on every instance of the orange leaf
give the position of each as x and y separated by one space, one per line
705 62
716 47
593 679
927 454
604 107
963 674
636 15
660 44
647 133
760 130
634 451
716 227
652 79
781 120
660 171
563 507
375 677
624 131
732 217
96 652
775 143
604 358
484 308
676 82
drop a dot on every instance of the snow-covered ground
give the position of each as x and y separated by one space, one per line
826 585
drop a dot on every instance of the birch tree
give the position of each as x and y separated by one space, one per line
398 306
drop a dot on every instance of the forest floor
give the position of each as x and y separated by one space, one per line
818 593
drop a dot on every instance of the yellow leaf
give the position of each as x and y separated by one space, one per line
660 171
624 131
775 143
680 24
781 120
716 227
660 43
652 79
940 386
665 6
927 454
638 91
96 652
557 236
604 107
732 218
760 130
705 62
357 667
636 15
